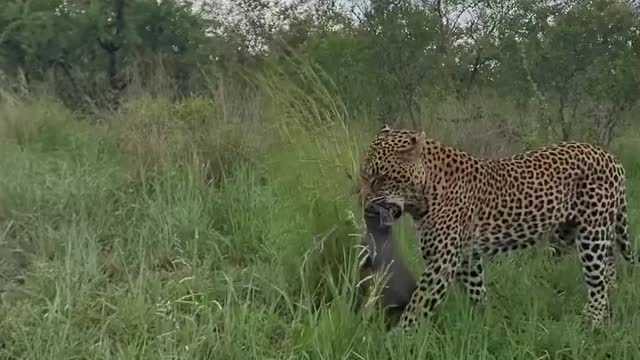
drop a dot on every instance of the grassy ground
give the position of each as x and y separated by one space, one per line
176 232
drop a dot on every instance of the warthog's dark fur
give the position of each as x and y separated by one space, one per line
382 255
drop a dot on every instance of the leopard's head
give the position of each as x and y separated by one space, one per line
392 173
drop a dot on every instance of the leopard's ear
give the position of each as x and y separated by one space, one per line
384 130
413 150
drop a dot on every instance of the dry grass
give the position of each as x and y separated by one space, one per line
155 135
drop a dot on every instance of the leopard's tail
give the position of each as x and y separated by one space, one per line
621 230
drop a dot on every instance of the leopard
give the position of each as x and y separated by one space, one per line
467 208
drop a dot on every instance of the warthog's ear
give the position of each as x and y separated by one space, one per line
414 147
384 129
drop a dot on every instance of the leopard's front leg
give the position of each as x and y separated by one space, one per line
439 246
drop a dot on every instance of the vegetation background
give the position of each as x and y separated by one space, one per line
176 177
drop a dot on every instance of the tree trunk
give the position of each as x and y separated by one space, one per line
112 47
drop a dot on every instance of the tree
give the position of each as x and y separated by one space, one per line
577 60
87 46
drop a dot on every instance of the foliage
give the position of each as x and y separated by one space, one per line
577 60
85 47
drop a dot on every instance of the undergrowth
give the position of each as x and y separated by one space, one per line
174 230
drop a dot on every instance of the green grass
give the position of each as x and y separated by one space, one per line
114 246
